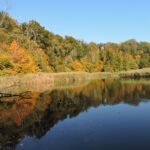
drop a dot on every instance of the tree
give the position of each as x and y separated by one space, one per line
23 60
93 53
129 46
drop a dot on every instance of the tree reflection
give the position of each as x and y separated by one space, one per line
34 113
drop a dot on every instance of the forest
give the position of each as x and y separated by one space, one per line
28 47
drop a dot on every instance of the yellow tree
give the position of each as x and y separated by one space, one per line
21 58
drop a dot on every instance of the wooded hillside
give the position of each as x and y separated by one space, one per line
29 47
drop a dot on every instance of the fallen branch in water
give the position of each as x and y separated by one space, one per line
2 95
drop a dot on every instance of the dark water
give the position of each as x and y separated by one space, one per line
102 115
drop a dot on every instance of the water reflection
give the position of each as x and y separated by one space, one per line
34 113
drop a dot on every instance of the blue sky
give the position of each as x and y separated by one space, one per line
88 20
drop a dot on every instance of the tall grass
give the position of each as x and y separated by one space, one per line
139 73
46 81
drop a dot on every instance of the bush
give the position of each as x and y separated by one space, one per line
5 64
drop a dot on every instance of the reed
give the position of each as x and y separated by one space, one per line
47 81
139 73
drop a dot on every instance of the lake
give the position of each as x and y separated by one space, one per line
99 115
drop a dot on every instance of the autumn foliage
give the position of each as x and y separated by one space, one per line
29 47
17 60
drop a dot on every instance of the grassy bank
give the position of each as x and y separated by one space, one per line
47 81
134 74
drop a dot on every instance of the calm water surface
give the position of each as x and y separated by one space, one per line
103 115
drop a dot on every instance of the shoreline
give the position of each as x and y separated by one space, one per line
145 72
135 74
64 79
49 79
